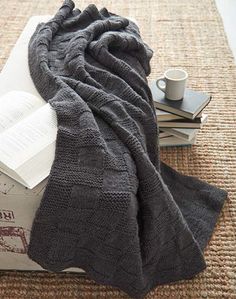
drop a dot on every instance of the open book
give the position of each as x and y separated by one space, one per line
28 128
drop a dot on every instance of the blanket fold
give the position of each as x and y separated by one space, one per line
111 207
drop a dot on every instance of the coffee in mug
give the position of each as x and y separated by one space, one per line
174 84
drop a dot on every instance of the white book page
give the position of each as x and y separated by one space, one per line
16 105
21 142
41 164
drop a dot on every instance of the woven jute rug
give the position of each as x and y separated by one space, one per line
188 34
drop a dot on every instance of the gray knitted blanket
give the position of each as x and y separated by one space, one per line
111 207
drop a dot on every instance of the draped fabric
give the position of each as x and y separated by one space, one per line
110 206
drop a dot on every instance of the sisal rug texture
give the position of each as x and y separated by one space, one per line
188 34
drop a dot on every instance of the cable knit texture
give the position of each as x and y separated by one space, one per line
111 207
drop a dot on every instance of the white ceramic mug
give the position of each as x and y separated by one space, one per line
174 84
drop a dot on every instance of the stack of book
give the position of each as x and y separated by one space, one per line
179 121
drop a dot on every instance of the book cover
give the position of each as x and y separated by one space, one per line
191 105
164 134
167 116
183 133
184 123
175 141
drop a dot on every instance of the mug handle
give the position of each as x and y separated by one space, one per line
158 84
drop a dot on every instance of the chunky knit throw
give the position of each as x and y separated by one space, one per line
110 206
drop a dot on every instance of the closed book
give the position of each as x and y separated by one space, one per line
183 133
190 106
175 141
185 123
164 134
166 116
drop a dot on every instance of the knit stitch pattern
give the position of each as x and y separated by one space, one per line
110 206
